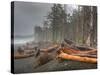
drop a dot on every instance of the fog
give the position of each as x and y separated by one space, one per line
29 14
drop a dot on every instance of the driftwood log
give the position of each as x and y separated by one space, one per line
20 56
74 51
50 49
43 59
73 45
30 53
77 58
77 53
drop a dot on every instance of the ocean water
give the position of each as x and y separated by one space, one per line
21 41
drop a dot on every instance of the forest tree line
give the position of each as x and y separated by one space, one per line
79 26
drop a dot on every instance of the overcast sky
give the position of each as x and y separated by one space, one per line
29 14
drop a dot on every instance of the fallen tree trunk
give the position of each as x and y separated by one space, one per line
70 50
74 51
77 58
73 45
84 48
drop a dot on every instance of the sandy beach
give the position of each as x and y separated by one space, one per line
26 65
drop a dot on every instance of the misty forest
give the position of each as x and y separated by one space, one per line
64 41
79 26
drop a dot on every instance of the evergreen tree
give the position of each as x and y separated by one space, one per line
57 18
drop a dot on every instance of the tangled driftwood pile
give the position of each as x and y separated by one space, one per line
77 53
68 51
